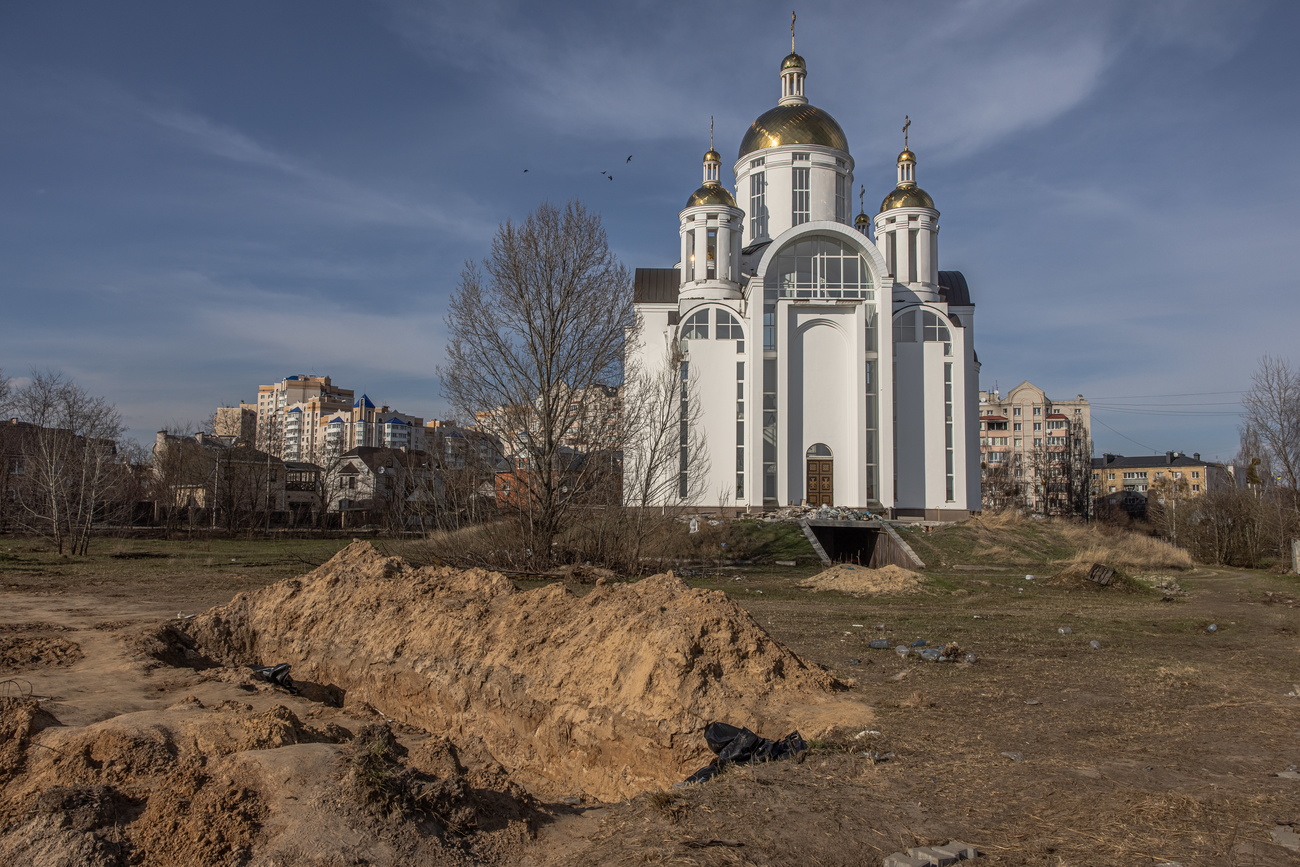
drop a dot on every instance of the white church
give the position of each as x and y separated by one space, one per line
827 366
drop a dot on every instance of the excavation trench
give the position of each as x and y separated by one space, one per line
603 695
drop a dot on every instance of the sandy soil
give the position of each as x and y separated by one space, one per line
1165 742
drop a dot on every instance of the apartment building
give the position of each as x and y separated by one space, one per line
1034 451
308 418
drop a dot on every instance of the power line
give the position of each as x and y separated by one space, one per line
1129 438
1183 394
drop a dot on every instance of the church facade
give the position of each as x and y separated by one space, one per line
824 359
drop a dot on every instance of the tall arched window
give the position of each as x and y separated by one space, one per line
728 327
822 266
696 326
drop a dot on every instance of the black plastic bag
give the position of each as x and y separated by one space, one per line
735 745
276 674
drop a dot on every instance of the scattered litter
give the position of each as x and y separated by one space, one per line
1029 577
878 644
571 800
740 746
1213 627
971 659
866 733
1065 630
930 654
1032 701
1289 774
1015 757
276 674
858 626
901 650
920 642
1295 691
1095 644
784 562
925 856
1286 838
853 660
875 756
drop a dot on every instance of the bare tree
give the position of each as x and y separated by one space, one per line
6 392
1271 419
534 331
70 471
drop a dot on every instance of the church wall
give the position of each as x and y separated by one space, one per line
713 383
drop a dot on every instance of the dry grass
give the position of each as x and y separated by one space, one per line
1121 549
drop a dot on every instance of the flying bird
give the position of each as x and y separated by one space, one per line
525 171
611 177
604 173
629 158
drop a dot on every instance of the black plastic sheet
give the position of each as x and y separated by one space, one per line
739 746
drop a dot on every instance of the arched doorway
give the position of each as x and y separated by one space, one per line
821 475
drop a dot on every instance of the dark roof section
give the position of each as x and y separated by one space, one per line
953 289
754 248
656 286
1168 459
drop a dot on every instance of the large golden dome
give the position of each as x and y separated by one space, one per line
907 197
711 194
793 124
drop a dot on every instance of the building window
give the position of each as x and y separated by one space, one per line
842 199
740 430
1015 411
684 481
1196 474
821 267
758 205
1038 410
1196 488
905 327
769 329
769 429
801 194
936 330
728 327
1038 425
697 326
949 478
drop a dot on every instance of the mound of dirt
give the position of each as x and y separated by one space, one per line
603 694
861 581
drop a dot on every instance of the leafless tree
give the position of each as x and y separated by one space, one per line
1001 491
72 477
1271 419
1062 469
533 332
6 393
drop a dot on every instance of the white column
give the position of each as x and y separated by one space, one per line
724 248
902 267
701 249
686 256
924 272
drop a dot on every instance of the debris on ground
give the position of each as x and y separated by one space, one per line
276 674
862 581
929 856
734 745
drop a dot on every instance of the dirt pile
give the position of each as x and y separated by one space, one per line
603 694
861 581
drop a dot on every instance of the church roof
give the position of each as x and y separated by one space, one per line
907 197
953 289
656 285
711 194
793 124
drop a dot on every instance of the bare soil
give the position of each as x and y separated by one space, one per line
152 743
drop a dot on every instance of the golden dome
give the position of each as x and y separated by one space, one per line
793 124
793 60
711 194
907 155
712 156
910 196
862 219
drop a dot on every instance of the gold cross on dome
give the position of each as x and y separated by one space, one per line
907 122
792 33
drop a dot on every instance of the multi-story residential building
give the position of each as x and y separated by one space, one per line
1033 447
239 422
397 487
308 418
1112 474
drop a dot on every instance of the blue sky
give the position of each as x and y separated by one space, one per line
196 199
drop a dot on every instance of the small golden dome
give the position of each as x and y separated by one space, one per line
907 156
711 194
712 156
908 196
792 61
862 219
793 124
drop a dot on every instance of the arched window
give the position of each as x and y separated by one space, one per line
819 450
728 327
905 327
696 326
936 330
822 266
